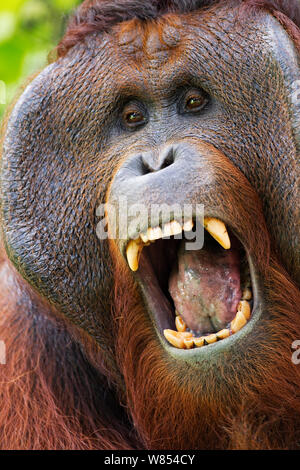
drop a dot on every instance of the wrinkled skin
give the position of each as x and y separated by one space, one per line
66 151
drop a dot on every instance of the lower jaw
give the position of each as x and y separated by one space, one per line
162 316
234 343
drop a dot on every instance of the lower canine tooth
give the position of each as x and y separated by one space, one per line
133 252
218 231
174 339
244 307
238 322
184 334
180 324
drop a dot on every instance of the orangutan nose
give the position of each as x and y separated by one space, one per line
152 161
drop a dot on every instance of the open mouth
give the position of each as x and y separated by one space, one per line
198 297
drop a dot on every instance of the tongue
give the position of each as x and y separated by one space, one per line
205 287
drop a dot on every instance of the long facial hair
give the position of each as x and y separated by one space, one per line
251 404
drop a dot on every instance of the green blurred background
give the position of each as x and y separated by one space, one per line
29 30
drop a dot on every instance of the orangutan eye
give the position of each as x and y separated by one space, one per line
133 117
195 101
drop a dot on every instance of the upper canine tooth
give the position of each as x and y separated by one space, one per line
218 231
133 252
188 226
171 228
154 233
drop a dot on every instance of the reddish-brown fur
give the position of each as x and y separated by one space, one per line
98 20
183 419
45 404
49 388
64 413
188 416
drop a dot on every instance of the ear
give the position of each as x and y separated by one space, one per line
288 57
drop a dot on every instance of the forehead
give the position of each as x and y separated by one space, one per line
232 59
177 48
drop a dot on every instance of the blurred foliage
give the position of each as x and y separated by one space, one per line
29 30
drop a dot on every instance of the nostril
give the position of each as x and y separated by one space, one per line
154 162
168 159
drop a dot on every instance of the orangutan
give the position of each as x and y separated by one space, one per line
136 341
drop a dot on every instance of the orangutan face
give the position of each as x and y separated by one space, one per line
206 105
188 110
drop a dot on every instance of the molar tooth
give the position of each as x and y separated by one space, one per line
133 252
189 343
218 231
244 308
222 334
210 338
180 324
171 228
154 233
199 342
238 322
188 225
247 294
174 339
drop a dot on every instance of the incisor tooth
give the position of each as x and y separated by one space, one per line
244 307
144 237
238 322
180 324
154 233
133 252
218 231
174 339
172 228
188 226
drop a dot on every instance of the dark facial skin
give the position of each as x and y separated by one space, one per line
76 149
85 140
